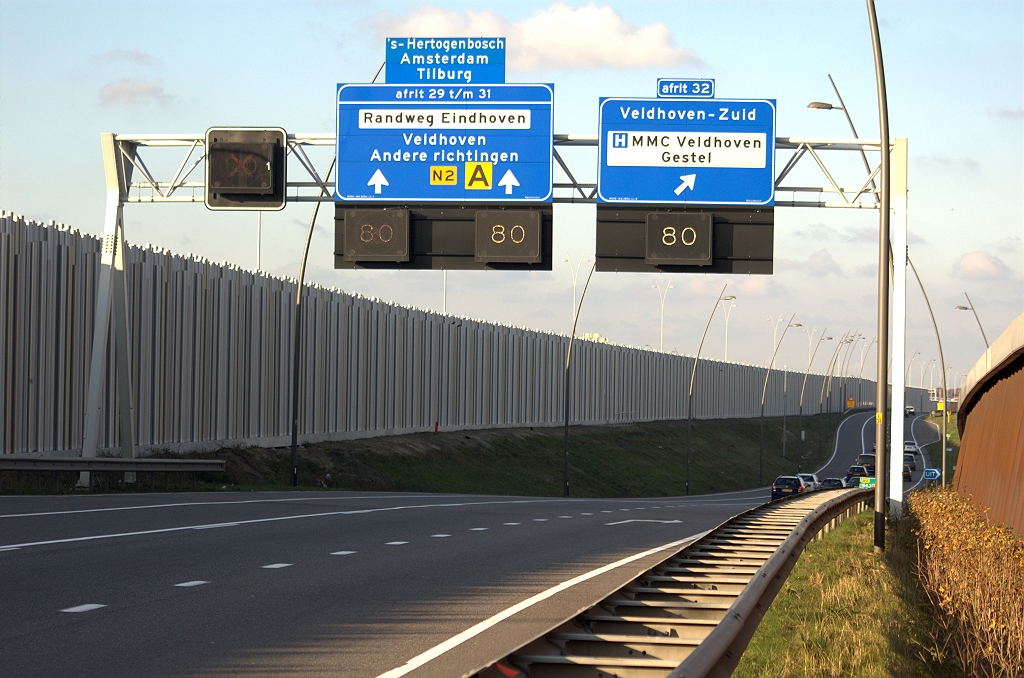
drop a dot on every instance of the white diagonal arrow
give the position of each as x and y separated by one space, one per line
508 181
623 522
688 181
377 180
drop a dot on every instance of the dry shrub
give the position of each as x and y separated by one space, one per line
973 574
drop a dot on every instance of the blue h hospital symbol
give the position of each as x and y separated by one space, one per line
620 140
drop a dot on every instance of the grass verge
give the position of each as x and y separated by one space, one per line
639 460
845 611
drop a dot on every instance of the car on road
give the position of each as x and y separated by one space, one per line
908 411
911 446
811 480
832 484
855 474
865 459
910 460
787 486
906 474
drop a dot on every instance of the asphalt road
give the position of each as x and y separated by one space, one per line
308 584
856 434
317 584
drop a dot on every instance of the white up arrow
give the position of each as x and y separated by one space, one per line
688 180
377 180
508 181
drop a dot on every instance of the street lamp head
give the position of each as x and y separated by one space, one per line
729 298
962 308
826 339
796 325
822 106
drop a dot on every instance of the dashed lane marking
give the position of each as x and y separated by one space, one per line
586 514
190 584
275 566
342 553
565 516
540 520
513 523
395 543
478 529
88 607
440 536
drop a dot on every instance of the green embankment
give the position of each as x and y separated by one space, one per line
640 460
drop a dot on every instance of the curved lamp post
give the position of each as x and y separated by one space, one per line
764 391
970 307
693 373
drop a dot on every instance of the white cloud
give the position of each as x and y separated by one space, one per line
1010 113
560 37
132 92
129 56
820 263
982 265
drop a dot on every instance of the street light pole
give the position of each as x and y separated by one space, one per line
764 391
689 400
568 357
662 295
906 377
881 386
727 312
810 359
575 274
970 307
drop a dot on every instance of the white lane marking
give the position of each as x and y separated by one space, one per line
202 503
88 607
623 509
513 523
836 450
640 508
275 566
863 443
261 520
320 498
540 520
395 543
9 548
565 516
475 630
623 522
605 511
342 553
190 584
440 536
924 453
212 527
586 514
478 529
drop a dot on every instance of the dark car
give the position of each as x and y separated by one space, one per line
832 484
865 459
906 474
787 486
856 472
870 468
910 460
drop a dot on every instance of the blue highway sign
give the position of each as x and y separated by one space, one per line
448 61
932 473
491 143
703 88
687 151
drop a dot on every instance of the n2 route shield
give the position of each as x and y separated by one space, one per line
687 151
398 143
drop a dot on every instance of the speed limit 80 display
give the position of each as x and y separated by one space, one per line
377 235
682 239
508 236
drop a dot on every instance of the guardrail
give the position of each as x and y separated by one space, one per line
694 613
102 467
720 652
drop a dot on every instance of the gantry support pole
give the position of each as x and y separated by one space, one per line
111 306
898 234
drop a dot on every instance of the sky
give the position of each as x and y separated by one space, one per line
955 76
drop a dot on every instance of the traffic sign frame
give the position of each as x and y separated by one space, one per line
650 184
534 173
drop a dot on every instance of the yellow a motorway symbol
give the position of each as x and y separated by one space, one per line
478 175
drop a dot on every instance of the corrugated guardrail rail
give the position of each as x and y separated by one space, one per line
694 613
